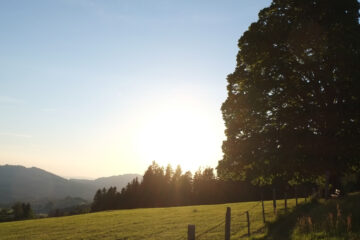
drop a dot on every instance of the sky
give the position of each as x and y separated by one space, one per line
98 88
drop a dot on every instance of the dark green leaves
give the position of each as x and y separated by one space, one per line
293 108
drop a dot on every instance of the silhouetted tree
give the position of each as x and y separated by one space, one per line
161 189
186 189
293 106
175 185
111 198
18 211
22 211
205 186
152 186
27 211
169 172
97 202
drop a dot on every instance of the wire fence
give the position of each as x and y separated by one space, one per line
213 232
248 222
240 222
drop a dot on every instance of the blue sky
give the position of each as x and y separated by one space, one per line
94 88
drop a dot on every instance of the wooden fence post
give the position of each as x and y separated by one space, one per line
227 223
285 199
305 196
263 210
248 221
274 200
191 232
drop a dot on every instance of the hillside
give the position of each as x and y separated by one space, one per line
331 219
139 224
148 223
18 183
171 223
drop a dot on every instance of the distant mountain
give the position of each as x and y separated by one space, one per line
18 183
118 181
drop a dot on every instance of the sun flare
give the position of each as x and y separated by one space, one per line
181 132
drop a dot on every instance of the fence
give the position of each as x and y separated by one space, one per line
242 224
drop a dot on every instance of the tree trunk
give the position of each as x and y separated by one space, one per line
326 190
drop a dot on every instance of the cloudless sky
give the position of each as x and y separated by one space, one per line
98 88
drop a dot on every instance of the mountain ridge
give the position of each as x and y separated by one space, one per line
19 183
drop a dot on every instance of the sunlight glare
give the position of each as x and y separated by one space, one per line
181 132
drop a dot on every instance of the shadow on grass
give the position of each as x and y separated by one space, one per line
318 212
284 225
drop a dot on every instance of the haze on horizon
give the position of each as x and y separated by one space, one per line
93 88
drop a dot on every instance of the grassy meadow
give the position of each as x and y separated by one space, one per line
331 219
150 223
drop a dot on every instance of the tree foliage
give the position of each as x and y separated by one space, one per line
18 211
161 188
293 105
22 211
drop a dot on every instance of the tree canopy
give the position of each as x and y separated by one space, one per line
293 107
163 187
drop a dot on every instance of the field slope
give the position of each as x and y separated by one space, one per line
331 219
155 223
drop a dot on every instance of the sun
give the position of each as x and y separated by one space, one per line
182 132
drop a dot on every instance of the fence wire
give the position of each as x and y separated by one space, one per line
239 221
238 224
210 233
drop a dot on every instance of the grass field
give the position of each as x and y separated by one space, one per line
155 223
331 219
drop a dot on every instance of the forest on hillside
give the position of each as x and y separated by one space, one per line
164 187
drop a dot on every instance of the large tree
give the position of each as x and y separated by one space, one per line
293 107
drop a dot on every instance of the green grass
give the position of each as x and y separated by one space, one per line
319 220
155 223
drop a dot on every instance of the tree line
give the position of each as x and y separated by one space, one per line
164 187
69 211
18 211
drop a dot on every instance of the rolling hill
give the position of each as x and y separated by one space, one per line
18 183
147 223
172 222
